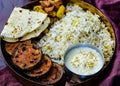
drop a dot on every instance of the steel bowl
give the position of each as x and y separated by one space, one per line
72 51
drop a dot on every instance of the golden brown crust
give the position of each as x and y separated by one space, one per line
26 56
44 67
53 76
11 46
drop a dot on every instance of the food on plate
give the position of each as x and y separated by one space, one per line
55 9
38 8
37 32
45 3
42 69
39 47
53 76
60 12
10 39
26 56
50 5
77 26
49 9
10 47
84 60
22 22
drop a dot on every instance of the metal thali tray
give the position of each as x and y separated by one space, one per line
27 81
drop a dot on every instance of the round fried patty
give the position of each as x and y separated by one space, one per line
26 56
11 46
53 76
43 68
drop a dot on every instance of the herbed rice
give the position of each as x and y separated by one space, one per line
77 26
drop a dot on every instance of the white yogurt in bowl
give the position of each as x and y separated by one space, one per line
83 59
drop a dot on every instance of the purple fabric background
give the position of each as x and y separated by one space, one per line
111 8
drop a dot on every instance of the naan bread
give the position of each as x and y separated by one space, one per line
32 34
21 22
37 32
10 39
